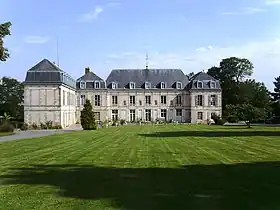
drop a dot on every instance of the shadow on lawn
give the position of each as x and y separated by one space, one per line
242 132
215 187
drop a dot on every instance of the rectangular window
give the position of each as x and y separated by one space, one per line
114 114
132 85
199 100
163 86
163 113
171 103
132 115
200 115
179 85
148 114
132 100
156 102
199 84
148 99
97 85
97 100
163 99
147 85
178 100
115 100
179 112
63 97
97 115
140 103
213 100
83 99
124 102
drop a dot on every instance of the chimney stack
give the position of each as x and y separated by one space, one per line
87 70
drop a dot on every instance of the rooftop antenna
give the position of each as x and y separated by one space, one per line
147 61
57 53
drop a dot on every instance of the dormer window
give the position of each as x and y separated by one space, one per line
132 85
199 84
82 85
162 85
97 85
179 85
114 85
147 85
212 84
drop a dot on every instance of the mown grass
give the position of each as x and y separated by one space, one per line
144 167
5 134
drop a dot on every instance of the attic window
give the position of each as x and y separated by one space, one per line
179 85
97 85
132 85
199 84
82 85
114 85
162 85
147 85
212 84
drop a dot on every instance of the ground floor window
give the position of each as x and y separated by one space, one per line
115 114
200 115
163 113
179 112
132 115
148 114
97 115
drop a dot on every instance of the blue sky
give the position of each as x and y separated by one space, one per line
189 34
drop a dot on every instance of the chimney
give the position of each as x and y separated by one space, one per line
87 70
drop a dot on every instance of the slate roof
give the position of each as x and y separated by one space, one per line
45 72
90 78
139 76
206 80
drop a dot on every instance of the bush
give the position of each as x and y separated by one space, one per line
218 120
122 122
57 127
43 126
24 127
49 124
7 127
87 117
34 126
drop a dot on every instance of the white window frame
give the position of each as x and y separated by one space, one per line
147 85
82 85
132 85
162 85
177 85
114 85
199 82
95 83
212 83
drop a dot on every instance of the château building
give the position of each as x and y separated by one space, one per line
51 94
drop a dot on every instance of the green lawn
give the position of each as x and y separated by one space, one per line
5 134
144 167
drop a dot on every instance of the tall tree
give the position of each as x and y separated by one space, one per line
87 117
11 98
4 31
276 93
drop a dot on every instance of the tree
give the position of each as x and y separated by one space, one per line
246 112
4 31
87 117
11 98
276 93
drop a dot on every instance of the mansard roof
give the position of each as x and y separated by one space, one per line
205 81
139 76
90 78
46 72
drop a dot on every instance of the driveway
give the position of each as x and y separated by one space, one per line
38 133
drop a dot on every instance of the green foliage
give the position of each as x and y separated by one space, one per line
6 127
218 120
246 112
122 122
11 98
34 126
4 31
24 127
87 117
276 93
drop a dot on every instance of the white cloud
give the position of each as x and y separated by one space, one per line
246 11
264 55
36 39
272 2
92 15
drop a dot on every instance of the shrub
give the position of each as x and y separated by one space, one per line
122 122
49 124
43 126
6 127
57 127
34 126
87 117
24 127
